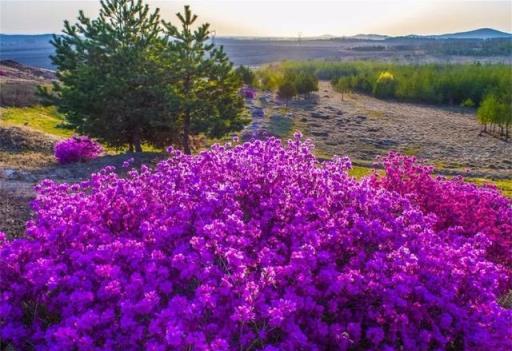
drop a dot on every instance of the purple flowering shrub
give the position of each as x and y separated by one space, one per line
248 92
77 149
458 206
250 247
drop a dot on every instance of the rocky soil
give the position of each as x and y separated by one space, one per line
363 128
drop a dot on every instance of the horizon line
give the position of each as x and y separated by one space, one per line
325 36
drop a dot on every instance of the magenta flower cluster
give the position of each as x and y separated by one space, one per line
458 205
248 92
77 149
256 247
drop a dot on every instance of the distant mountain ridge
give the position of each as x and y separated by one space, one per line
482 33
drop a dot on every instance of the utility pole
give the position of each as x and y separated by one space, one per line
213 33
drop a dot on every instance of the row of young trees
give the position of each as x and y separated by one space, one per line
487 87
495 114
288 83
129 77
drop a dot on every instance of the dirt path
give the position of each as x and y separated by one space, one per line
364 127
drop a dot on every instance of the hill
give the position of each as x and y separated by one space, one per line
11 70
18 83
482 33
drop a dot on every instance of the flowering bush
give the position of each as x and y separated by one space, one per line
457 205
248 92
77 149
250 247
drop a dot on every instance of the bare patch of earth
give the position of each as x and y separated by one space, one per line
26 158
364 128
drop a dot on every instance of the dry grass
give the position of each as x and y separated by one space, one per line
28 160
22 93
14 212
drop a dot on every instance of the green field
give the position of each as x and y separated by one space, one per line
45 119
39 118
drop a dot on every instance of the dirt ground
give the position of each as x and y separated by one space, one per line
364 127
26 157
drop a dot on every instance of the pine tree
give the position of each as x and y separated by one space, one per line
305 83
286 91
110 76
247 76
203 83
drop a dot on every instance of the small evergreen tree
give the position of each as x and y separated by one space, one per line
246 75
286 91
202 81
342 85
269 77
110 76
306 83
487 111
385 85
496 111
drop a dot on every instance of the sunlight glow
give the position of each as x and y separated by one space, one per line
286 18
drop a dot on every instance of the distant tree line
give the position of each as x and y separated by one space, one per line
130 78
470 47
487 87
369 48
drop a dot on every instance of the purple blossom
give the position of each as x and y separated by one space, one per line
259 246
77 149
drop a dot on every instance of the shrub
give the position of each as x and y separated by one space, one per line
286 91
467 103
18 94
247 76
495 111
385 86
458 206
305 83
248 92
77 149
254 246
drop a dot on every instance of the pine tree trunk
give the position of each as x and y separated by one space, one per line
186 134
186 118
136 141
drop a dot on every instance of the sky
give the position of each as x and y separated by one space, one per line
284 18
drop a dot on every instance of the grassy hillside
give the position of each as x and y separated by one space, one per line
18 83
42 119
